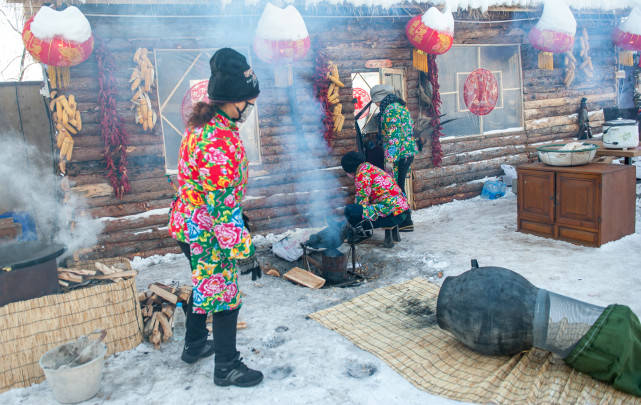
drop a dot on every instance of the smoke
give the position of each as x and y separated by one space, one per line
28 185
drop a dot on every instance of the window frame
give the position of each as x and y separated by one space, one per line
502 89
161 118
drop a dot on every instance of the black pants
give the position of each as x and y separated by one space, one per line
224 325
354 215
403 166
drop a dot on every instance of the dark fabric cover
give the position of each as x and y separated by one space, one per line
232 79
611 350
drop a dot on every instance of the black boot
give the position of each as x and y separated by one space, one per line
235 372
407 225
387 243
194 351
395 236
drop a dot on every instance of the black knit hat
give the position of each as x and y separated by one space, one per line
232 79
351 160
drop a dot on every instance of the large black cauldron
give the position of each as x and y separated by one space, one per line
28 270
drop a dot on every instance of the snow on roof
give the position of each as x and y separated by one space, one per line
281 24
482 4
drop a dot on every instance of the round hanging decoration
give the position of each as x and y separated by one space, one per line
281 39
481 92
627 36
553 33
196 93
362 98
58 39
432 32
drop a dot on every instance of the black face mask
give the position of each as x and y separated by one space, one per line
245 112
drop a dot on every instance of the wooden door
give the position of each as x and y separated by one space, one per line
577 199
536 195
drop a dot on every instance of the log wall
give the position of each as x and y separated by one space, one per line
283 188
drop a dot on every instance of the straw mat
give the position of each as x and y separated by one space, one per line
32 327
398 324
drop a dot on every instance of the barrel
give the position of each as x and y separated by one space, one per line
489 309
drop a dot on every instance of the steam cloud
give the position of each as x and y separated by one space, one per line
27 186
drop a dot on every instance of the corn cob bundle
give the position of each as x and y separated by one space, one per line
333 97
142 79
68 122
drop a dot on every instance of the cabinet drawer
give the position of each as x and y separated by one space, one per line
536 227
578 235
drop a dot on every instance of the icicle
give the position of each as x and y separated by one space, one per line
546 60
419 60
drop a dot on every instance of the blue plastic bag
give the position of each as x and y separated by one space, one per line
493 189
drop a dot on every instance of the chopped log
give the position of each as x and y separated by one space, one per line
150 325
184 293
304 278
273 272
116 276
241 325
63 283
147 310
168 310
164 294
70 277
79 272
165 326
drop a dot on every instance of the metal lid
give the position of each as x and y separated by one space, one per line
620 122
23 254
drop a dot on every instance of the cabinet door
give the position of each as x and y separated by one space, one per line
536 195
577 199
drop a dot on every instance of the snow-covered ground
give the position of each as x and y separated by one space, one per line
304 363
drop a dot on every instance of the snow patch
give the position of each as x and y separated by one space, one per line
146 214
69 24
441 22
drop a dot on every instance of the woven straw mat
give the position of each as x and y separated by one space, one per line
398 324
32 327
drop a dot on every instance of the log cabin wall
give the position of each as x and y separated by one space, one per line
288 179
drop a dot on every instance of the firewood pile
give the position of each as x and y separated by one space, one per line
84 274
158 305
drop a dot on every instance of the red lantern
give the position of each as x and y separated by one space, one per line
481 92
553 33
281 39
432 32
58 51
627 36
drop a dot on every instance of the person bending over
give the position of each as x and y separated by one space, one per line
379 201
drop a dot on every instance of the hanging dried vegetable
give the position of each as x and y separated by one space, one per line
434 111
66 117
142 80
112 129
321 90
333 97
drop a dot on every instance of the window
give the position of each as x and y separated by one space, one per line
183 75
362 83
504 62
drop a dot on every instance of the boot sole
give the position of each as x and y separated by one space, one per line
224 383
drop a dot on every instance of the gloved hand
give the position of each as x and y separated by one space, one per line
255 269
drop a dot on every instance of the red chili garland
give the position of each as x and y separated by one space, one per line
113 131
321 84
432 76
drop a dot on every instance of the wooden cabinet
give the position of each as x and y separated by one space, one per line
590 205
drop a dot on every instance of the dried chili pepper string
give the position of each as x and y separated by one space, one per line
113 132
432 76
320 89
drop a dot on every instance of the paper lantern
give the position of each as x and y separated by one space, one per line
281 39
480 92
432 32
59 39
627 36
553 33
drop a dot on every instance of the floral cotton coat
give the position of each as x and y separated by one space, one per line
206 214
378 193
397 135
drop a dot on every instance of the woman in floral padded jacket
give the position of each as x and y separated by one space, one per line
378 200
206 216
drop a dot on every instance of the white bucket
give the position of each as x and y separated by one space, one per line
73 384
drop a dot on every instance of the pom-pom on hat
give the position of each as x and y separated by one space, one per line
232 79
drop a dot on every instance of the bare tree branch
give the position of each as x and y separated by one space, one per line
13 27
